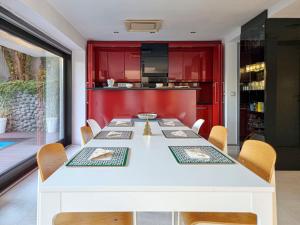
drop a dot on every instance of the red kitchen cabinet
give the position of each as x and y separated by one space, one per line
175 65
206 66
193 61
217 86
197 65
115 59
101 66
132 65
191 65
205 112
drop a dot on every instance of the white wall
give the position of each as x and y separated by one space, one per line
78 94
231 91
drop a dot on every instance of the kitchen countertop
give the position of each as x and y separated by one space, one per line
143 88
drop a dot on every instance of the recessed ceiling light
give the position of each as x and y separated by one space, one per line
193 32
116 32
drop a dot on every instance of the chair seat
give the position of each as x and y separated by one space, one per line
93 218
218 218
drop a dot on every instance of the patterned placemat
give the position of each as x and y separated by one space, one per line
213 155
170 123
119 157
172 134
116 135
120 123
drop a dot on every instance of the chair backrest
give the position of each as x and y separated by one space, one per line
49 158
259 157
218 137
86 134
197 125
94 126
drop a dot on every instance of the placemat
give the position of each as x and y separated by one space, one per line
215 157
123 135
170 123
121 123
189 134
119 157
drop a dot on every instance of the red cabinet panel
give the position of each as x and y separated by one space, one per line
205 112
197 64
105 105
191 65
116 65
101 66
132 65
175 65
205 94
206 62
217 86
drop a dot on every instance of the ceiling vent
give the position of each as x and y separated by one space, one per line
143 25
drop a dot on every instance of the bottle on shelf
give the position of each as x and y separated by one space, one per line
254 86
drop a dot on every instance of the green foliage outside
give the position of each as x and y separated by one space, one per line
12 87
9 89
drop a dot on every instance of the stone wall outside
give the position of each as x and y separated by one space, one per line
25 113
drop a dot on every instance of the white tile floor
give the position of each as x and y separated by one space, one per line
18 205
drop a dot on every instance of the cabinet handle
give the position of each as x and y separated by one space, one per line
201 108
215 92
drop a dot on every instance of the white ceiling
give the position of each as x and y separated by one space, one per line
291 10
211 19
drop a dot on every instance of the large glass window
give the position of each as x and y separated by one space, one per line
31 99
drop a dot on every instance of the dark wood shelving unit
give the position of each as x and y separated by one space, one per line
276 42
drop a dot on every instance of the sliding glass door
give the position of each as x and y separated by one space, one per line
33 93
31 99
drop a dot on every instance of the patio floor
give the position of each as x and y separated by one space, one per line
26 146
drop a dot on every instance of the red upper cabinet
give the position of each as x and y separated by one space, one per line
197 65
132 65
101 66
175 65
206 65
120 64
191 65
116 62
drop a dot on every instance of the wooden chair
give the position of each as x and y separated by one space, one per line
52 156
197 125
260 158
218 137
94 126
93 218
86 134
49 158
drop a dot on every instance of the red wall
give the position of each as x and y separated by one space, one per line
105 105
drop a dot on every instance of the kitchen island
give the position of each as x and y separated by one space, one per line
107 103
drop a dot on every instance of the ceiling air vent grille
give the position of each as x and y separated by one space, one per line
143 25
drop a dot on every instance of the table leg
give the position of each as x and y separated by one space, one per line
173 218
48 207
262 204
134 218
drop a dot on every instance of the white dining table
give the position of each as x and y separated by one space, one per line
153 181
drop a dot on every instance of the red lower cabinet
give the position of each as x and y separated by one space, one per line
205 112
